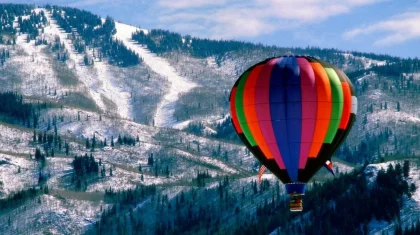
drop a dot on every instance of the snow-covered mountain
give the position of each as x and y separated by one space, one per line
152 111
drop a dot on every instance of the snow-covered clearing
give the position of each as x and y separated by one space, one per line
215 162
14 140
209 120
367 62
50 215
11 179
178 84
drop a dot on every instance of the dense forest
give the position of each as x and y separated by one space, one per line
15 110
344 205
9 12
84 167
33 25
21 197
91 32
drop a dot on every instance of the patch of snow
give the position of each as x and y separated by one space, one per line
212 161
182 125
12 181
375 95
342 168
371 171
208 130
414 177
116 92
164 114
365 77
389 115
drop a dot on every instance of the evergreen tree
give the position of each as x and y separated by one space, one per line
406 168
120 141
150 160
87 143
103 171
93 141
86 60
67 148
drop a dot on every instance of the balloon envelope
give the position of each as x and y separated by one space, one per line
292 113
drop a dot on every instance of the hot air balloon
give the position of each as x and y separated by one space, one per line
292 113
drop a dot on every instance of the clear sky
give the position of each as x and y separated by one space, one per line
379 26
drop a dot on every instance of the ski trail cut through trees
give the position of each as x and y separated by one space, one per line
96 78
164 116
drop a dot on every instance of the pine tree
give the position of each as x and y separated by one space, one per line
87 143
67 148
120 141
103 171
150 160
59 143
93 141
86 60
406 168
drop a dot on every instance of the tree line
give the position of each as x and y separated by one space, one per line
9 12
15 110
95 34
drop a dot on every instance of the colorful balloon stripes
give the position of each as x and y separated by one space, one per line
293 112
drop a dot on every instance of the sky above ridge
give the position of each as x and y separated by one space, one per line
379 26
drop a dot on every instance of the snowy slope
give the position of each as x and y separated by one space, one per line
96 78
178 84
